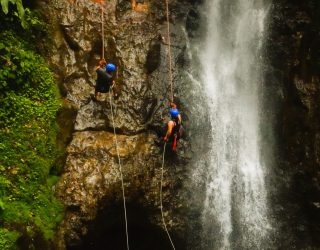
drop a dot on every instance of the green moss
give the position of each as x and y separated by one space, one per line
8 239
29 102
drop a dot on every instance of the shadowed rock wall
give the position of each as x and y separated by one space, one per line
293 52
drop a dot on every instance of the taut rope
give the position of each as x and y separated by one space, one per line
161 206
102 31
120 167
171 99
169 51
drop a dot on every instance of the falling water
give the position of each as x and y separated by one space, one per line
236 210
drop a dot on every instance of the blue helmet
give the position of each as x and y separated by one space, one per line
174 113
111 67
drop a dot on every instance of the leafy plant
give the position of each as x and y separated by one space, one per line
20 9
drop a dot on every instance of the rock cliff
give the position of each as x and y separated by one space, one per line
90 186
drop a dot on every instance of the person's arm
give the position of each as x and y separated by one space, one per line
97 68
101 64
169 131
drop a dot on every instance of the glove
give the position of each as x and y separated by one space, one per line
102 62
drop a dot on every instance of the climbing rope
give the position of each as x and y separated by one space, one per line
170 79
169 52
120 167
102 31
161 206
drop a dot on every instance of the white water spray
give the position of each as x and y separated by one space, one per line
236 210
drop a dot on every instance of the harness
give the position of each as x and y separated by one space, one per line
176 128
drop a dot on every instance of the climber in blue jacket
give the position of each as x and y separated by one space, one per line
104 77
174 130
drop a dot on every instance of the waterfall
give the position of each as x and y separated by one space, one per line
235 214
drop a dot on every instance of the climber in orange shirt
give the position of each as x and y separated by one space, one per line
174 130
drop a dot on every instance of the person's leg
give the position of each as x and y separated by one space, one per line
96 94
174 144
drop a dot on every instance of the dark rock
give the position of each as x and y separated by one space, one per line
192 23
292 50
123 5
153 57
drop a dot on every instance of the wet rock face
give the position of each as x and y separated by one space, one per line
136 42
294 53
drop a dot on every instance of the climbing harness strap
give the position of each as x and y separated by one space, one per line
161 206
120 168
169 52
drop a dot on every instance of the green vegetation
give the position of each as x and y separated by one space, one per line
8 239
5 4
28 106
